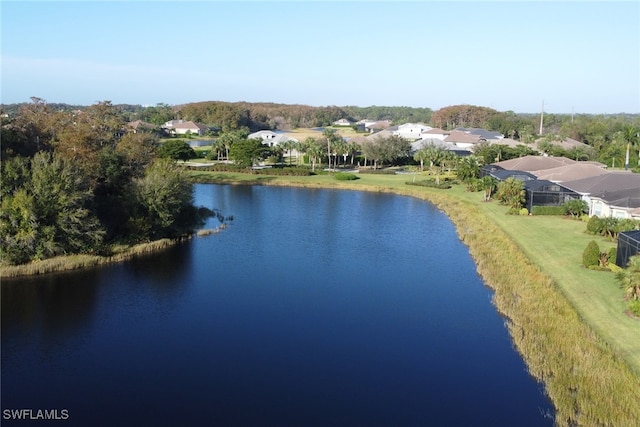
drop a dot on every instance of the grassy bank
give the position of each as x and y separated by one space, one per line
566 321
75 262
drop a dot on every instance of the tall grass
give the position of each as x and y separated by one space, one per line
75 262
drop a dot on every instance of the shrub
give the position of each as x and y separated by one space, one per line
595 225
430 183
634 307
611 255
345 176
524 212
473 185
591 254
548 210
575 207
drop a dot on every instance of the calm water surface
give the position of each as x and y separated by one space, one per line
313 308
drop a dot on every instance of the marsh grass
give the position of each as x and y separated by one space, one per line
75 262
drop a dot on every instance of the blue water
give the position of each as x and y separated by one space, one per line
312 308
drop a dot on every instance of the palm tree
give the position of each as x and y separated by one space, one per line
314 150
333 138
488 184
629 278
632 136
420 156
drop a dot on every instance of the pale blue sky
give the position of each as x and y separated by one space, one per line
580 56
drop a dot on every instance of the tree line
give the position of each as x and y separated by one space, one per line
76 181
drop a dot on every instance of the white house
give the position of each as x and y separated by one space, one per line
265 135
182 127
342 122
412 131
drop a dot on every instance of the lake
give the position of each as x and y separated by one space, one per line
312 308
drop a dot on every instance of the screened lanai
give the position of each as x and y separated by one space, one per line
628 246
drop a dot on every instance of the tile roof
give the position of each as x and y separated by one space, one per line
460 136
570 172
535 163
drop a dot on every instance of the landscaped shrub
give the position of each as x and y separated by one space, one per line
591 254
473 185
595 226
575 207
430 183
524 212
611 255
345 176
548 210
634 307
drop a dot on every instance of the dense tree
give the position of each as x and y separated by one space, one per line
165 197
176 149
511 192
468 167
247 152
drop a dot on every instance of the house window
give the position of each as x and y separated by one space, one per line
597 208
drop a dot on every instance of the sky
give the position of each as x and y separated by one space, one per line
578 57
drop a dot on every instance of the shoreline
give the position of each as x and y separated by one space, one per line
587 382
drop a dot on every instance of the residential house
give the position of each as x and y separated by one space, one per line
623 203
435 133
141 126
604 188
182 127
541 192
439 143
463 140
265 135
411 131
342 122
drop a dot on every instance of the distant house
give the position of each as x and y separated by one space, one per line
182 127
484 134
598 185
265 135
439 143
534 163
141 126
411 131
463 140
435 133
376 126
342 122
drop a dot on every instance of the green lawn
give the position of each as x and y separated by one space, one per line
554 244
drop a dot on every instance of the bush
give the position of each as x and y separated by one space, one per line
595 226
634 307
591 254
430 183
473 185
548 210
345 176
524 212
611 255
575 207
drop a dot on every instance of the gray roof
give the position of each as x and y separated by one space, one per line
482 133
627 198
519 175
545 185
425 142
610 181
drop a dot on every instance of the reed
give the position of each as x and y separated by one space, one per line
75 262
